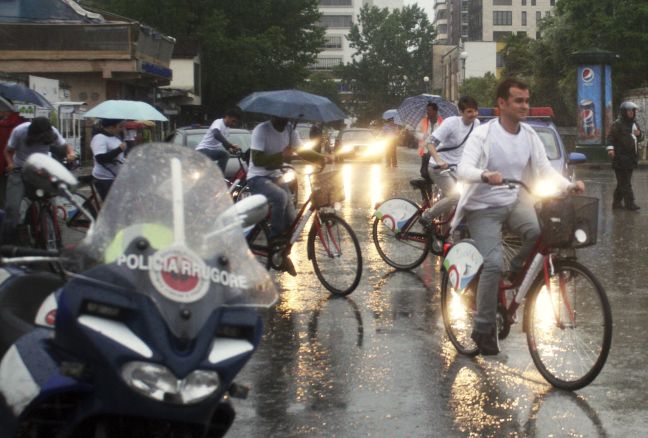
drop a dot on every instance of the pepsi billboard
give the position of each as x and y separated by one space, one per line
594 112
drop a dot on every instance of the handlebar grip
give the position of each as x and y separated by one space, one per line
20 251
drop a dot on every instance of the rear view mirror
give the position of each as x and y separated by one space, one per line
577 158
45 173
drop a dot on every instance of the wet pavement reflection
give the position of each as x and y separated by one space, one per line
377 363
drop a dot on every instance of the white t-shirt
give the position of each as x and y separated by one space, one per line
23 151
510 155
267 139
101 144
208 141
450 134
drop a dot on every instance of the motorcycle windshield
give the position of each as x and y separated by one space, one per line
165 231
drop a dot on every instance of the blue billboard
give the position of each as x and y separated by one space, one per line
590 104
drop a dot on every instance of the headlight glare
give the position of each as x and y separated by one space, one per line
157 382
288 176
546 188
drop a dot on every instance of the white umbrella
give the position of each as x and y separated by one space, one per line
126 110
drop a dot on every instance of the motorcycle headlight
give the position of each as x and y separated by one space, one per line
158 382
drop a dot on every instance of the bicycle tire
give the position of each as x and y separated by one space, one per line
400 249
585 318
79 219
258 240
49 236
331 248
459 306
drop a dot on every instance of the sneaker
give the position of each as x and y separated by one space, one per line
632 206
486 342
289 267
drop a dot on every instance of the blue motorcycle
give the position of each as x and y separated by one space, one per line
152 316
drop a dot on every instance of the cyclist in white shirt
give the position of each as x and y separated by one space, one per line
214 144
502 148
446 145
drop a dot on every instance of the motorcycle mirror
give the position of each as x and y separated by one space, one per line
251 210
45 173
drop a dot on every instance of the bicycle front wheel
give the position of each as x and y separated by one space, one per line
402 249
458 309
50 234
335 253
569 326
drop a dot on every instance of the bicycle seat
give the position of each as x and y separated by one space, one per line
420 183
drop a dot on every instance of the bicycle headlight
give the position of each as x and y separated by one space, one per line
546 188
289 176
157 382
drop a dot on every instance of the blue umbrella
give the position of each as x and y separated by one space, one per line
125 110
413 109
21 93
292 104
393 114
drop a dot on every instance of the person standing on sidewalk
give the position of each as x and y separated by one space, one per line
391 133
215 144
622 148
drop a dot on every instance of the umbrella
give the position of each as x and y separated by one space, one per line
412 110
393 114
22 93
292 104
125 109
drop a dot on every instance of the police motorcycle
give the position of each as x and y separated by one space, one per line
155 317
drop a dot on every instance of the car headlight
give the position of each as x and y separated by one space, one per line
546 188
158 382
289 176
307 145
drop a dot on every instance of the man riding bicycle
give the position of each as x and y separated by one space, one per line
272 142
503 148
445 146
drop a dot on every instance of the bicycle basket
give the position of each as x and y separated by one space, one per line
327 188
569 222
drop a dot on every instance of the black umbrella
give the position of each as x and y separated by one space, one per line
292 104
21 93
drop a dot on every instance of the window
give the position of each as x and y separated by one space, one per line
502 18
332 42
442 29
336 20
552 2
547 13
499 60
502 2
524 22
326 63
538 17
533 2
335 2
522 33
523 2
499 36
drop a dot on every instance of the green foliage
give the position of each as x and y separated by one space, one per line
482 89
246 45
322 84
392 55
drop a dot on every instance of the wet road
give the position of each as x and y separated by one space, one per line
378 363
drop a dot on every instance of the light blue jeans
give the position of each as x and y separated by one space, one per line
485 228
282 210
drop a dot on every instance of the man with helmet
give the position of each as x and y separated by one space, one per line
622 148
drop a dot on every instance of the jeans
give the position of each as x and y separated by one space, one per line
219 155
282 210
14 196
486 230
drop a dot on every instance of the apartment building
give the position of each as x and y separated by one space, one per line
337 17
488 20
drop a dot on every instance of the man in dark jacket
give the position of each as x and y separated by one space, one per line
622 148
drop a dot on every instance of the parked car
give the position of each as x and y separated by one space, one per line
190 136
540 120
359 143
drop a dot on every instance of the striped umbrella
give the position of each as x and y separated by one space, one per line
413 109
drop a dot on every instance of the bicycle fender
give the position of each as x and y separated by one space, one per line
395 213
462 263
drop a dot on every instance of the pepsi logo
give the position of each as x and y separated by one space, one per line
587 75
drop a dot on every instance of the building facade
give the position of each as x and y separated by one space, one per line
337 18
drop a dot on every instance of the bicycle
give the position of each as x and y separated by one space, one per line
567 316
402 242
40 226
92 204
330 239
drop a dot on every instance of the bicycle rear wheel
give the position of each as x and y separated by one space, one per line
258 240
335 253
49 234
402 249
568 326
457 309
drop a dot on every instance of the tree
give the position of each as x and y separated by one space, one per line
392 55
246 45
482 89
